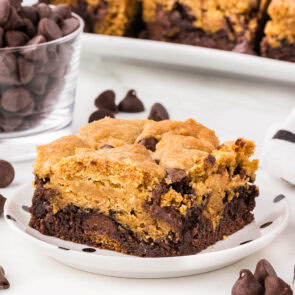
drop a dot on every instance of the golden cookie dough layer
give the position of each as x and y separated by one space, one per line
282 23
122 179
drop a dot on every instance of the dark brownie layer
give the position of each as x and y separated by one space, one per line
177 26
195 232
284 52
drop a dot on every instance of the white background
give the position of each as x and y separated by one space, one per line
233 107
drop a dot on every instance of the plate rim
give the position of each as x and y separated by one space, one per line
254 245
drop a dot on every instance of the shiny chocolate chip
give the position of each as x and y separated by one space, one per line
100 114
2 203
274 286
158 113
247 284
6 173
263 269
106 100
150 143
4 284
175 174
131 103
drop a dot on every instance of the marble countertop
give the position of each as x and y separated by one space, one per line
234 107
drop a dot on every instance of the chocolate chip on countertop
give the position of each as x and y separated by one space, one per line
158 113
175 174
15 38
247 284
263 269
100 114
5 8
6 173
276 286
63 10
131 103
150 143
16 99
4 284
2 203
106 147
69 25
106 100
49 29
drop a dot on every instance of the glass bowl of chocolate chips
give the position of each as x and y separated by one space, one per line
39 65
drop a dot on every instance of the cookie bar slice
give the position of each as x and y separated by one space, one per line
279 40
221 24
145 188
110 17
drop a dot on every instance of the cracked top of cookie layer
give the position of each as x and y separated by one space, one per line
282 23
152 146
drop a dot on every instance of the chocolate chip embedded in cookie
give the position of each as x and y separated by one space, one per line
150 143
6 173
158 113
247 284
4 284
106 100
131 103
100 114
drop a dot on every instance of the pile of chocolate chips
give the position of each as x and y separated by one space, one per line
31 77
264 282
107 107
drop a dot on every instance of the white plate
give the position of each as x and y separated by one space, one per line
114 264
189 56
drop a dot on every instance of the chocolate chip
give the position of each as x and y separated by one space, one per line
14 21
63 248
106 100
69 25
247 284
7 64
175 174
63 10
10 218
5 8
31 13
16 4
89 250
2 203
210 160
274 286
56 18
131 103
15 38
16 99
6 173
10 123
43 10
158 113
29 28
49 29
100 114
4 284
278 198
25 70
150 143
35 52
263 269
106 147
157 161
267 224
26 208
38 84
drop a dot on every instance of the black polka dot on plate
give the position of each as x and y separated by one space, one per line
266 224
246 242
63 248
10 218
278 198
88 250
25 208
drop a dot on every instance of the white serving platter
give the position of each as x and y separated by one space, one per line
188 56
